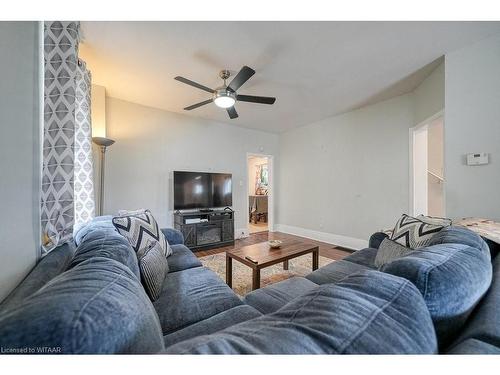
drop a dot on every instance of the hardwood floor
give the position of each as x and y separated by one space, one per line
325 249
259 227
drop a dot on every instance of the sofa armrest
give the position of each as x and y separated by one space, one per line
174 236
376 239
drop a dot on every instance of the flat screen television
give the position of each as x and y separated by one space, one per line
201 190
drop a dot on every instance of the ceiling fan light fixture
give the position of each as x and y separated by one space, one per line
224 101
224 98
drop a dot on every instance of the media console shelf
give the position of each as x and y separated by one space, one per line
203 230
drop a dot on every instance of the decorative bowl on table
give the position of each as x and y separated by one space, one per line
274 244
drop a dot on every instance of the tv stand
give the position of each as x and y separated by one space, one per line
206 229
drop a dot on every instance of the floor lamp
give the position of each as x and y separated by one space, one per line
103 143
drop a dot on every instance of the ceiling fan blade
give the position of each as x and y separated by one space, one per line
231 111
255 99
198 105
194 84
243 75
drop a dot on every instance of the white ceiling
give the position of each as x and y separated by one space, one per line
315 69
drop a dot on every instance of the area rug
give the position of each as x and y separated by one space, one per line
242 275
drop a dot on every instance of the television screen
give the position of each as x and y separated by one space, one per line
222 191
195 190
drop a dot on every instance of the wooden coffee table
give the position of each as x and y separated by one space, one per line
264 256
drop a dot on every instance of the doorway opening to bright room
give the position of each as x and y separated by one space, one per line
259 181
427 168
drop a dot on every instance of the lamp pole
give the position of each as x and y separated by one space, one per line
103 143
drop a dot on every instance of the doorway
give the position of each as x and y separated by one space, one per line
260 198
427 168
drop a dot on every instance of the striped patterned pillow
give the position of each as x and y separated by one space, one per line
154 267
388 251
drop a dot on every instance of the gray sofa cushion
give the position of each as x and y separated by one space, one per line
349 317
190 296
99 306
365 257
275 296
452 279
473 346
483 325
102 223
181 259
462 236
376 239
213 324
53 264
173 236
334 272
106 244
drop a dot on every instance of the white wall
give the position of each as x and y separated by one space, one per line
346 175
151 144
472 124
428 97
420 168
19 152
98 112
98 105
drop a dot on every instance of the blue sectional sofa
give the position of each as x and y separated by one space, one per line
88 298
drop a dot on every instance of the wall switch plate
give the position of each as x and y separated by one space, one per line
478 159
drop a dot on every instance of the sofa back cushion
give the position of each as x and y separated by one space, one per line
97 223
451 277
460 235
103 243
99 306
366 313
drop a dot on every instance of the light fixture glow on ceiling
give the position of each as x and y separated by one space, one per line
224 101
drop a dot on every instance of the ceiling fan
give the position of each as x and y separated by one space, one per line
225 96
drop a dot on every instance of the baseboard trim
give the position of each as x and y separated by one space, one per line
241 233
334 239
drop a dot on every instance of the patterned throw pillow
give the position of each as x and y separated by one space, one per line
131 212
153 266
151 247
435 220
139 227
390 250
414 233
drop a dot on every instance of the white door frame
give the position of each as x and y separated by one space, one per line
270 199
412 131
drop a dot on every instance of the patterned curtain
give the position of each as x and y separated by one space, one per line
57 196
84 179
